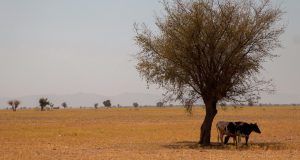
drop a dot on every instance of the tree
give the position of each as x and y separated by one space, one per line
107 103
159 104
212 50
96 105
43 103
14 104
51 105
188 105
64 104
223 104
250 102
135 105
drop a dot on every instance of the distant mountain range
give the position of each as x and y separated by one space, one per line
126 99
87 99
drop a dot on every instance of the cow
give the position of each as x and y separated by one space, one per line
228 129
242 129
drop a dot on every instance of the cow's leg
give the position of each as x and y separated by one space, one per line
246 138
218 135
234 140
221 137
226 139
238 140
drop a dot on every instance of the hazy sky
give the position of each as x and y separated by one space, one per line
71 46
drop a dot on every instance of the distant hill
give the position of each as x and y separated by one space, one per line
87 99
125 99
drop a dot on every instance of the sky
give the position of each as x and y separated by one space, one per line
74 46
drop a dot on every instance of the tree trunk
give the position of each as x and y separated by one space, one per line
205 131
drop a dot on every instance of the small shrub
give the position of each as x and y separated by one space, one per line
135 105
159 104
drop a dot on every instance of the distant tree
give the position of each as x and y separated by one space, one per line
135 105
64 104
210 49
96 105
223 104
17 103
107 103
250 102
14 104
159 104
188 105
11 103
51 105
43 103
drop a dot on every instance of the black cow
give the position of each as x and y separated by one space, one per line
242 129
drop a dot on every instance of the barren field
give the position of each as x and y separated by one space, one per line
148 133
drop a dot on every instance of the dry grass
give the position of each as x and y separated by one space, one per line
142 134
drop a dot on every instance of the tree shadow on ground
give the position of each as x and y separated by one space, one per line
230 146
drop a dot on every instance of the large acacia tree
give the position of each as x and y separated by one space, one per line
210 49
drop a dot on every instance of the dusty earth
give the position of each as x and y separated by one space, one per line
147 133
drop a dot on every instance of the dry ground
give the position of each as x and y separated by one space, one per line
149 133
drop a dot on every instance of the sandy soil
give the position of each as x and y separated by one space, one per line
149 133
